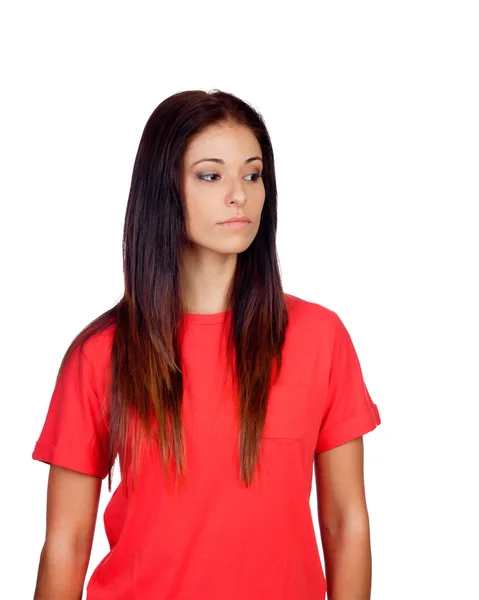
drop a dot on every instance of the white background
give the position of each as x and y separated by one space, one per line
373 112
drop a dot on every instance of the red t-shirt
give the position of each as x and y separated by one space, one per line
218 539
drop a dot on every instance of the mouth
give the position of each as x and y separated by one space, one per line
235 224
236 220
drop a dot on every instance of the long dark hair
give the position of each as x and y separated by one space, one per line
145 383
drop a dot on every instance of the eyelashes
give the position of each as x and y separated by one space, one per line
201 176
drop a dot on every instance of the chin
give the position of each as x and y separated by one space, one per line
230 248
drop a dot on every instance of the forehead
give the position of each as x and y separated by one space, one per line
223 141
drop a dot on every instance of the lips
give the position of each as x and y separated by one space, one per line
237 220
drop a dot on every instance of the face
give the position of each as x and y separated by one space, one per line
229 186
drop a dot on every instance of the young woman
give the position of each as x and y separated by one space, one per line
216 391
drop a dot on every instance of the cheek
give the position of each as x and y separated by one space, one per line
199 213
204 206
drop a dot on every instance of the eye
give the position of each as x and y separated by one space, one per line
203 175
256 175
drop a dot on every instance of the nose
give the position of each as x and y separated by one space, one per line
238 193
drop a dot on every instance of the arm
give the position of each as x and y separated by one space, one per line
344 521
72 507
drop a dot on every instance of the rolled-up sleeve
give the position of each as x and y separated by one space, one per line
349 411
74 434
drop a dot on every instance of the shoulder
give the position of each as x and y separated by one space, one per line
310 315
96 349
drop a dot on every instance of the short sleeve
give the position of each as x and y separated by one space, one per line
74 434
349 411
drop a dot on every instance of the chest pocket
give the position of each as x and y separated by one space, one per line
286 417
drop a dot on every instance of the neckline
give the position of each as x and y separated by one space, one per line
207 318
214 318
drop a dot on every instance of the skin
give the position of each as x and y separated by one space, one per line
225 190
208 264
344 521
72 507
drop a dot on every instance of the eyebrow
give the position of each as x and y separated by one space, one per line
219 160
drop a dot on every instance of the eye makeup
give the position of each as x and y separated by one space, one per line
201 176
